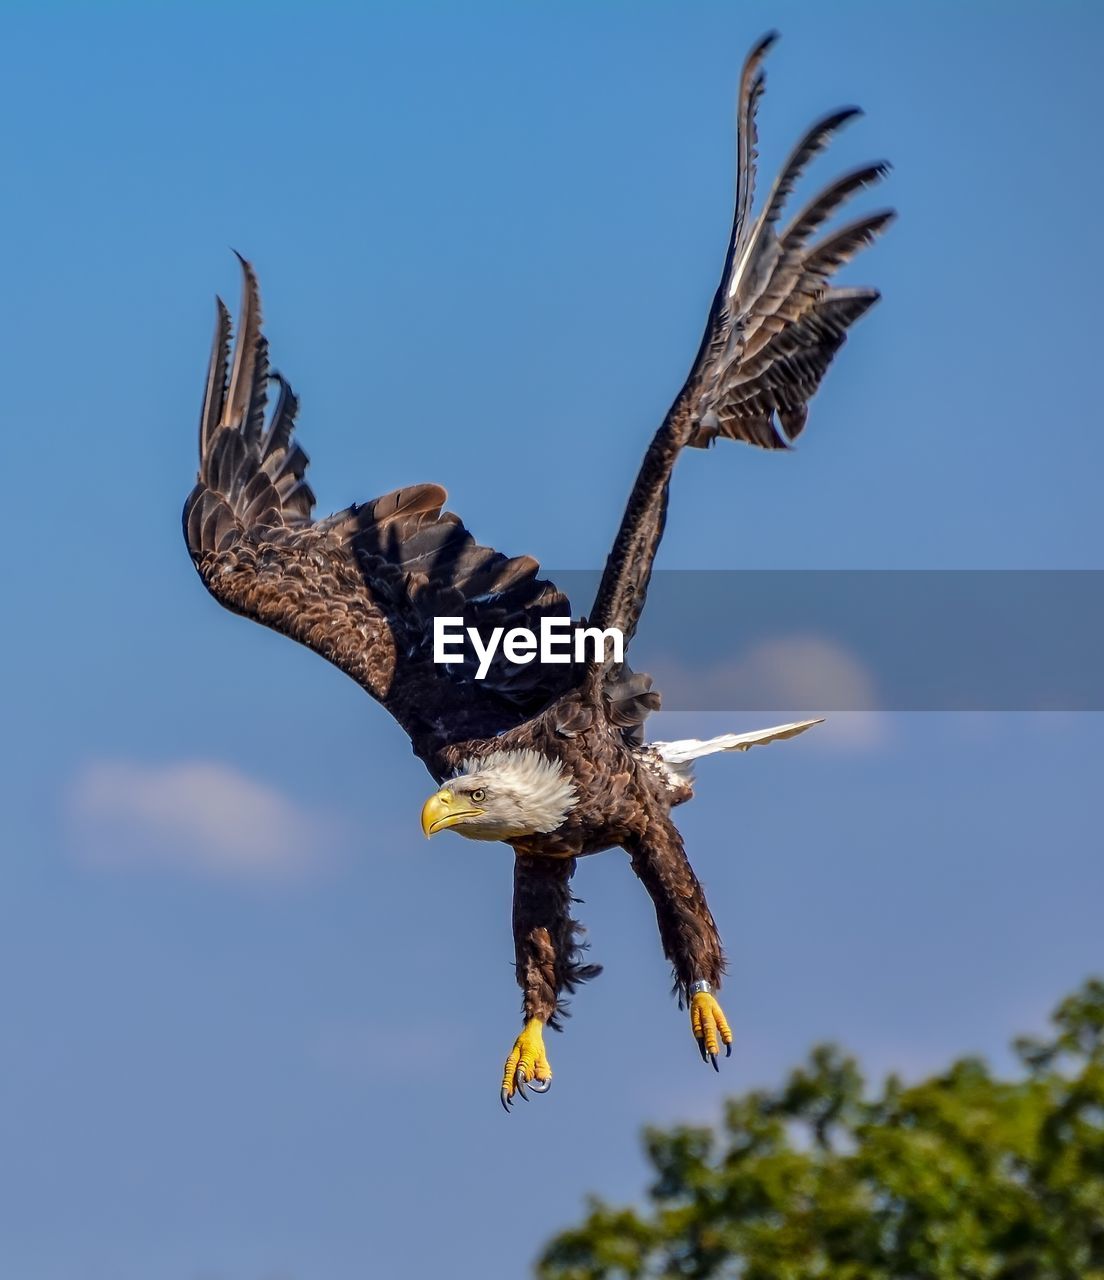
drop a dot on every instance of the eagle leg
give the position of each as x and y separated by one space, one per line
548 954
687 931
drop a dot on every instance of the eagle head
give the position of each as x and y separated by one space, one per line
504 795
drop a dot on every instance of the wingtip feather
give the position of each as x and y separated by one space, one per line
214 395
241 393
765 42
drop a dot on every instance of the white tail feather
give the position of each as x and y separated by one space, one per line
687 749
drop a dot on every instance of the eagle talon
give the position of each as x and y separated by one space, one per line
527 1066
710 1028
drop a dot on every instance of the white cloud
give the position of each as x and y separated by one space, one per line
853 730
793 676
802 671
199 814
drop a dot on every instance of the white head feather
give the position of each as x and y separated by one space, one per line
524 793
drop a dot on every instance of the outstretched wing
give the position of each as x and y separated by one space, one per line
775 324
362 587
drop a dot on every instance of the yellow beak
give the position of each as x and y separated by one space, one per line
445 810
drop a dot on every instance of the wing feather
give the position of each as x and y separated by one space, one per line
752 84
217 371
772 281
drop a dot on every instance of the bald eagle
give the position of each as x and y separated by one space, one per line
550 759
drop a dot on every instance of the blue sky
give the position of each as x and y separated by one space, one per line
253 1023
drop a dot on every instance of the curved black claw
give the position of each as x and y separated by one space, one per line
728 1049
504 1098
520 1082
701 1048
713 1059
540 1086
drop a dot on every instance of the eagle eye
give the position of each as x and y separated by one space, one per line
479 795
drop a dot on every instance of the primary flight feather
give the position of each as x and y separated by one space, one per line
549 758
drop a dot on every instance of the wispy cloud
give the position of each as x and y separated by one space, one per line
853 730
198 814
791 676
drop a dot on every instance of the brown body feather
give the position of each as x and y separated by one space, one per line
362 587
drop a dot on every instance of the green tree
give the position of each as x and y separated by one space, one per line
961 1177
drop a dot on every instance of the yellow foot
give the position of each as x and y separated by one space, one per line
707 1021
526 1065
